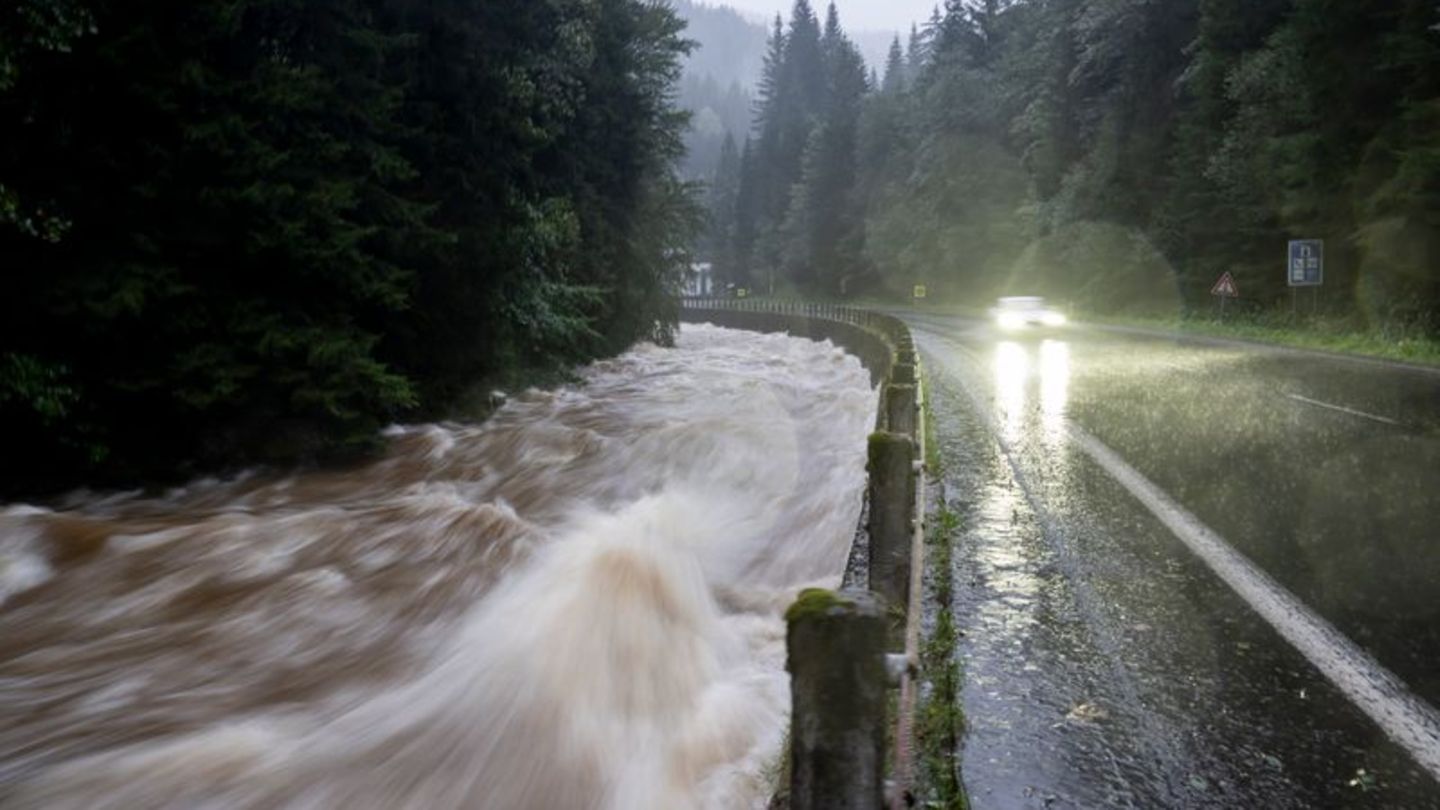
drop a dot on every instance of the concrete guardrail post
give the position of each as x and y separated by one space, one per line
892 507
900 410
835 648
903 373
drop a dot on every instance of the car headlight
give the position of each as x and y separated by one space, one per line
1009 320
1053 319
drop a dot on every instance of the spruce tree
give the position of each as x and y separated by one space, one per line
894 81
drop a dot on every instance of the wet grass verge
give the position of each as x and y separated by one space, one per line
1318 333
1337 333
933 462
940 721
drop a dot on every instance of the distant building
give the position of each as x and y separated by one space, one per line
699 280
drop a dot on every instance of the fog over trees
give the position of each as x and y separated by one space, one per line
717 82
1119 154
255 230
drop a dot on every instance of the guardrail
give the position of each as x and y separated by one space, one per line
841 645
888 326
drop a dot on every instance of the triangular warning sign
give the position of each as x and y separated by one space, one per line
1225 287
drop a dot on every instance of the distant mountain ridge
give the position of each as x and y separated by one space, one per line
719 75
730 45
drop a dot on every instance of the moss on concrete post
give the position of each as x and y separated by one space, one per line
835 650
903 374
892 507
900 409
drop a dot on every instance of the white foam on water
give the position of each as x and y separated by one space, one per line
22 567
581 601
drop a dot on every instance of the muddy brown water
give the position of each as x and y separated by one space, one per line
574 604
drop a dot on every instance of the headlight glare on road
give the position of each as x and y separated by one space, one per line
1053 319
1009 320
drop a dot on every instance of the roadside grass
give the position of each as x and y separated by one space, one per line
1323 333
933 462
941 720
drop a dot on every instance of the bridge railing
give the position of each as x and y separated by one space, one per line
846 649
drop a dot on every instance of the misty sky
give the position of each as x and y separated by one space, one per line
855 15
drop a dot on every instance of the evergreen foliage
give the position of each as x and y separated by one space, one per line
798 217
260 230
1120 154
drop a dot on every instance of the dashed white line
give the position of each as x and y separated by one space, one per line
1342 409
1404 717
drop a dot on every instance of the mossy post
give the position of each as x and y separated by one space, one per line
900 409
835 650
903 374
892 507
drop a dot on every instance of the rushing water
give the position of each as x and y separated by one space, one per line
574 605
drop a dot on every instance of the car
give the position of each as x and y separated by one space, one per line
1025 312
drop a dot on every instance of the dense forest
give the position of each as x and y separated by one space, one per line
1117 154
259 230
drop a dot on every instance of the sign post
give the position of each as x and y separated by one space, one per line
919 292
1225 288
1305 267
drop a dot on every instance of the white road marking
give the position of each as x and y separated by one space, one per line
1405 718
1342 409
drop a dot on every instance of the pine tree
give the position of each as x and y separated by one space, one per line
914 55
764 194
767 90
722 203
823 237
894 81
747 212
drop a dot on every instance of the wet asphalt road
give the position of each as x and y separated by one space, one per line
1105 664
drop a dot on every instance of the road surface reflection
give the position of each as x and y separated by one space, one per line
1015 370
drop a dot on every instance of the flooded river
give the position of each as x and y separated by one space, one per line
573 605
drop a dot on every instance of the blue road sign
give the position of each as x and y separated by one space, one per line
1306 266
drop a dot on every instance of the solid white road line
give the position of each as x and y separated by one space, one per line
1342 409
1406 719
